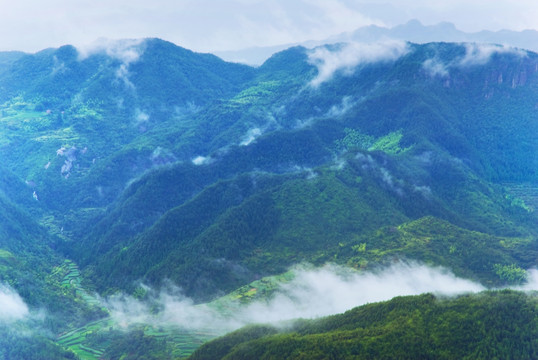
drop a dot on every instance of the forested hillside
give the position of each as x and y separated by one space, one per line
134 167
491 325
395 135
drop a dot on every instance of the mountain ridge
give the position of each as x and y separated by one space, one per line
413 31
150 166
406 327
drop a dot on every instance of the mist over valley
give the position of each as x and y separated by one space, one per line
153 199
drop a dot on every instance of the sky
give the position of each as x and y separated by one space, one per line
219 25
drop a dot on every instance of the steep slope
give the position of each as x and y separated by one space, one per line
149 164
106 69
71 114
258 224
369 146
30 266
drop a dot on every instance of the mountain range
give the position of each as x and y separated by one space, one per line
413 31
134 167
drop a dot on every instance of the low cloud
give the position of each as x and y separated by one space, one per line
270 124
141 118
162 156
70 155
334 289
202 160
346 57
342 108
368 163
127 52
12 307
58 66
480 54
424 190
532 281
435 67
250 136
309 172
339 164
475 54
312 293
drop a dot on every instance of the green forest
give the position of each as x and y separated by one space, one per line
131 190
488 325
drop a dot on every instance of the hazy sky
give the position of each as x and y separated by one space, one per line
207 25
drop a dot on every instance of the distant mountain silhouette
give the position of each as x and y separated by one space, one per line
413 31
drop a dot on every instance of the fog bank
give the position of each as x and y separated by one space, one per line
312 293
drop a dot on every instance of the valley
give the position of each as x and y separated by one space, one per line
153 198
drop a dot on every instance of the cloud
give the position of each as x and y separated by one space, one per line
141 116
125 51
270 123
532 281
162 156
210 25
173 309
339 164
12 307
312 293
250 136
58 66
202 160
342 108
333 289
434 67
475 54
346 57
480 54
70 157
252 23
424 190
369 164
309 172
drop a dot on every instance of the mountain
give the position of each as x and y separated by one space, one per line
137 166
32 277
416 32
484 326
413 31
396 136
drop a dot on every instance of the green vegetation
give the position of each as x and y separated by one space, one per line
389 143
22 343
469 254
354 140
489 325
512 274
107 339
99 192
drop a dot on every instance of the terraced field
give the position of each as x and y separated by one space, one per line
90 341
184 342
83 341
73 281
76 340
